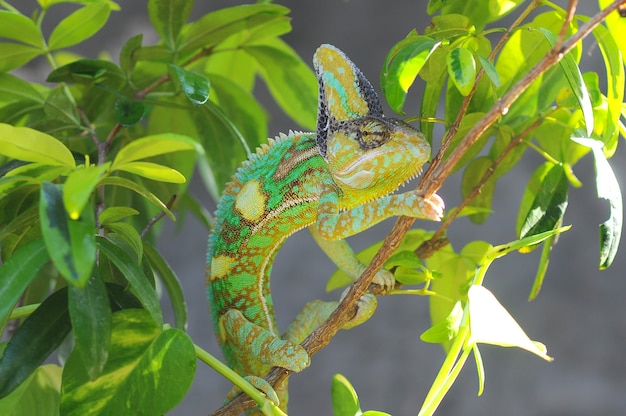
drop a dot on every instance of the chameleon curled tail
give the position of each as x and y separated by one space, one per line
337 181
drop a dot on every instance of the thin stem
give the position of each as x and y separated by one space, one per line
157 217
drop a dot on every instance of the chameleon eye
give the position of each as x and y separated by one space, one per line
373 133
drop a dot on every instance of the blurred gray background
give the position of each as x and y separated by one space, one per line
580 314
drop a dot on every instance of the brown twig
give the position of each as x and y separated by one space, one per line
346 308
157 217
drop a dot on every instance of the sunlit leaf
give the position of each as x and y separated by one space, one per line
30 145
154 145
19 27
153 171
39 394
345 399
80 25
14 55
114 214
462 69
79 186
472 174
148 367
446 329
491 323
12 87
490 70
403 63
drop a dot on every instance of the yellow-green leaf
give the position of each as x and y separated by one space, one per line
153 171
154 145
80 25
79 186
23 143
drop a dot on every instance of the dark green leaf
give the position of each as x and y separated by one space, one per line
121 297
290 81
40 394
490 70
462 69
403 63
172 285
84 71
345 399
80 25
129 112
14 55
90 314
135 276
548 205
168 18
40 334
19 27
130 235
150 368
195 86
70 243
17 272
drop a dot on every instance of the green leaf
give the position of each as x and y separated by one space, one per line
172 285
290 81
153 171
345 399
135 276
150 368
70 243
39 394
542 267
462 69
491 323
129 112
19 27
575 80
446 329
90 314
548 203
23 143
195 86
154 145
129 234
14 55
168 18
490 70
139 189
607 188
471 176
504 249
59 106
115 214
80 25
215 27
12 88
38 336
128 58
17 272
404 61
616 27
79 186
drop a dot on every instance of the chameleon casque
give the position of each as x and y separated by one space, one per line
336 181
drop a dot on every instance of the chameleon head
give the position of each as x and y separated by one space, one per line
368 154
372 156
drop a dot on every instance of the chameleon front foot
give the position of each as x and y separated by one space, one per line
259 384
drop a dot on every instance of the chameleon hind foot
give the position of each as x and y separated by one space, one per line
261 343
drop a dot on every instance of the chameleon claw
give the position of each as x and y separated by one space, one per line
436 206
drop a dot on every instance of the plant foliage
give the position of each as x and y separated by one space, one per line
94 157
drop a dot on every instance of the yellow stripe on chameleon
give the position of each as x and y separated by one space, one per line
355 105
221 266
250 201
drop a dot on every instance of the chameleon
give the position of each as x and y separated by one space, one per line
337 181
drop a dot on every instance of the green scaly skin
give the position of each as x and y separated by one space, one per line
336 181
